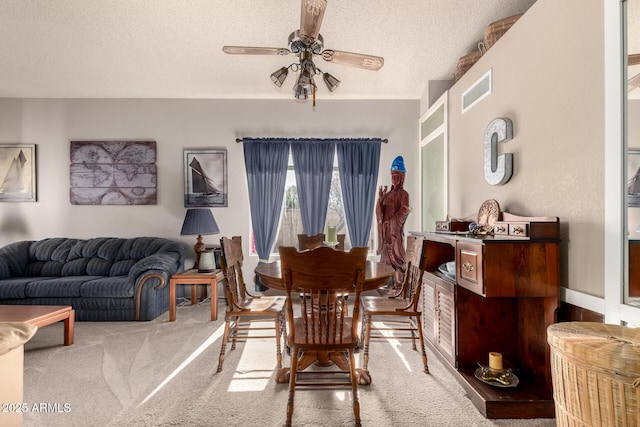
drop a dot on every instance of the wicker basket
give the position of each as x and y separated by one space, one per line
495 30
466 62
595 369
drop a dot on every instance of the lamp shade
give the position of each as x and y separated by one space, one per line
278 76
331 82
199 221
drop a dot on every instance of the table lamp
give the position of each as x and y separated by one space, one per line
199 222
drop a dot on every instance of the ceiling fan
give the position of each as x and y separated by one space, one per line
305 43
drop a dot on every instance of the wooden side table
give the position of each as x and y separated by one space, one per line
193 278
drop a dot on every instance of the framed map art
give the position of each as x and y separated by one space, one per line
113 173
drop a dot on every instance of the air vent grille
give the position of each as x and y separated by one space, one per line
477 92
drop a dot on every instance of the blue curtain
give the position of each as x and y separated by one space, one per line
266 166
313 165
358 164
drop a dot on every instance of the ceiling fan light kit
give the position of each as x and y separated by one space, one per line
306 42
305 84
331 82
278 76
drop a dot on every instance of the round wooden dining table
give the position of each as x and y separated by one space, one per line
376 275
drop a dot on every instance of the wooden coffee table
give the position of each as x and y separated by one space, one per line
41 315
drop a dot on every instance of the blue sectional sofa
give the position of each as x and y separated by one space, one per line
103 279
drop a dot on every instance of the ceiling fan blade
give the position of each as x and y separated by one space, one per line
368 62
247 50
634 59
633 82
311 14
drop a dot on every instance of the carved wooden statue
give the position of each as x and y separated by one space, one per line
392 211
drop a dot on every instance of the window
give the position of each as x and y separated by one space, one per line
291 221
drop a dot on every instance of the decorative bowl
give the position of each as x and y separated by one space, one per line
451 267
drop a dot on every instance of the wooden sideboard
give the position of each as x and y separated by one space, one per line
504 296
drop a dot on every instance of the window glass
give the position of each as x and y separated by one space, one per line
291 221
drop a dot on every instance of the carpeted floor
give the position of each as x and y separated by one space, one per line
164 374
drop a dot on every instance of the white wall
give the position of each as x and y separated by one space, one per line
176 125
548 78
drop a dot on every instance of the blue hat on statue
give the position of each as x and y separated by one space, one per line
398 164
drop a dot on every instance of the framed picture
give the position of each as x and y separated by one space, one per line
633 178
18 172
113 173
205 177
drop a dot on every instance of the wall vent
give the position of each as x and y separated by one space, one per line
477 92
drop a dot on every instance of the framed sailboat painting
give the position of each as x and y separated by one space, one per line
205 177
18 172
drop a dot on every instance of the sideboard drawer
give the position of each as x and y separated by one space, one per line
501 229
520 229
469 266
514 229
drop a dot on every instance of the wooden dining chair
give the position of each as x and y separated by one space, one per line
401 313
243 308
322 324
306 241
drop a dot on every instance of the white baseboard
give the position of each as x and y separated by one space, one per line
582 300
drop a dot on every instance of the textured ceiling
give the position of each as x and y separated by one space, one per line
172 48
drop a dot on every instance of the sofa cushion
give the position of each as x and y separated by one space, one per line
5 270
121 268
99 247
107 287
142 247
109 249
44 268
48 256
15 256
99 267
15 287
60 287
77 267
54 249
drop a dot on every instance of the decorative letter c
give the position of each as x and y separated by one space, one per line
497 169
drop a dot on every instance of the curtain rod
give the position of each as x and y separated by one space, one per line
239 140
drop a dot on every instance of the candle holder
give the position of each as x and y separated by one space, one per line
331 234
493 377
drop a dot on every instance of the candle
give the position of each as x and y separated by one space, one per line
495 361
332 237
